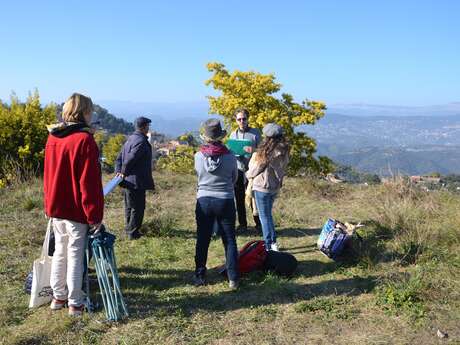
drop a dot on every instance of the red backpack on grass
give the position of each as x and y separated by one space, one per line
250 258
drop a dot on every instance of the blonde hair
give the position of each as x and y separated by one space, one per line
76 107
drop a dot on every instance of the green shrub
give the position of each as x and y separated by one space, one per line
23 136
101 139
180 161
112 148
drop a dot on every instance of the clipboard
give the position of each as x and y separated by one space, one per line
237 146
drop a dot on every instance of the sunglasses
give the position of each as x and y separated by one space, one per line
241 119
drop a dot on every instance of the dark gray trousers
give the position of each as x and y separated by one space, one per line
134 209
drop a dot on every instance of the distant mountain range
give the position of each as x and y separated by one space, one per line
172 119
391 144
372 138
179 117
362 109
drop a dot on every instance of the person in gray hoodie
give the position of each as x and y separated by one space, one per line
217 172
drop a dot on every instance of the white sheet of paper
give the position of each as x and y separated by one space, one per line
110 186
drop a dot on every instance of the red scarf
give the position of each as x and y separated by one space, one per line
214 149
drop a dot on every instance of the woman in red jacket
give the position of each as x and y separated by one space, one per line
73 198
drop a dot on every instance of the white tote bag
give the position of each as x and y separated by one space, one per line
41 292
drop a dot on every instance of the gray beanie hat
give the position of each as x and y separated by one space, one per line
272 130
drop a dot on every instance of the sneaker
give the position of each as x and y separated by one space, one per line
76 310
199 280
233 284
274 247
57 304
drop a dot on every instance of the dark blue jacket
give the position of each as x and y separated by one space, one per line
135 162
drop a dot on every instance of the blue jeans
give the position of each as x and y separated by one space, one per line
208 211
264 202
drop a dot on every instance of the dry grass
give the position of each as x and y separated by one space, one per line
400 289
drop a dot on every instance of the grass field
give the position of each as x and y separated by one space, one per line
402 287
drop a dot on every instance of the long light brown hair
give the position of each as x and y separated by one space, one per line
270 146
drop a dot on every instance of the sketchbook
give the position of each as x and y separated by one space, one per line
110 186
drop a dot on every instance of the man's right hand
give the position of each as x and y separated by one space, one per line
248 149
120 175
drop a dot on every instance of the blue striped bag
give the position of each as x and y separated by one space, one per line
333 238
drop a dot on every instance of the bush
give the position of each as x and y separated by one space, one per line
112 148
23 136
101 138
180 161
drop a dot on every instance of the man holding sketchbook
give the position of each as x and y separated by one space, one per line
244 132
134 165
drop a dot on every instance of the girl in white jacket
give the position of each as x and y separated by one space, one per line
267 167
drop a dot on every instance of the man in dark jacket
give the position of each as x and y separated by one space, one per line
134 165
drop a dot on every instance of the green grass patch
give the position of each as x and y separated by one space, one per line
328 308
403 295
406 269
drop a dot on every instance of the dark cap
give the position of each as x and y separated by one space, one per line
211 130
141 122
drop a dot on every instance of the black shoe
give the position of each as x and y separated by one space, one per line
134 235
199 280
242 228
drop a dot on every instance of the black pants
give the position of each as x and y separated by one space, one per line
208 211
240 190
134 209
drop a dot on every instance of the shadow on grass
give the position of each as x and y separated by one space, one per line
168 233
153 279
312 268
146 290
298 232
309 248
141 286
253 292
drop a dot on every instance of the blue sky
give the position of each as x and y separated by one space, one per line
378 52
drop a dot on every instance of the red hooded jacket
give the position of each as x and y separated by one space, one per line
72 177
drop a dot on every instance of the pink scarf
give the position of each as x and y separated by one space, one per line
213 149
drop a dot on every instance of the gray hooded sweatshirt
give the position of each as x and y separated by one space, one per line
216 175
